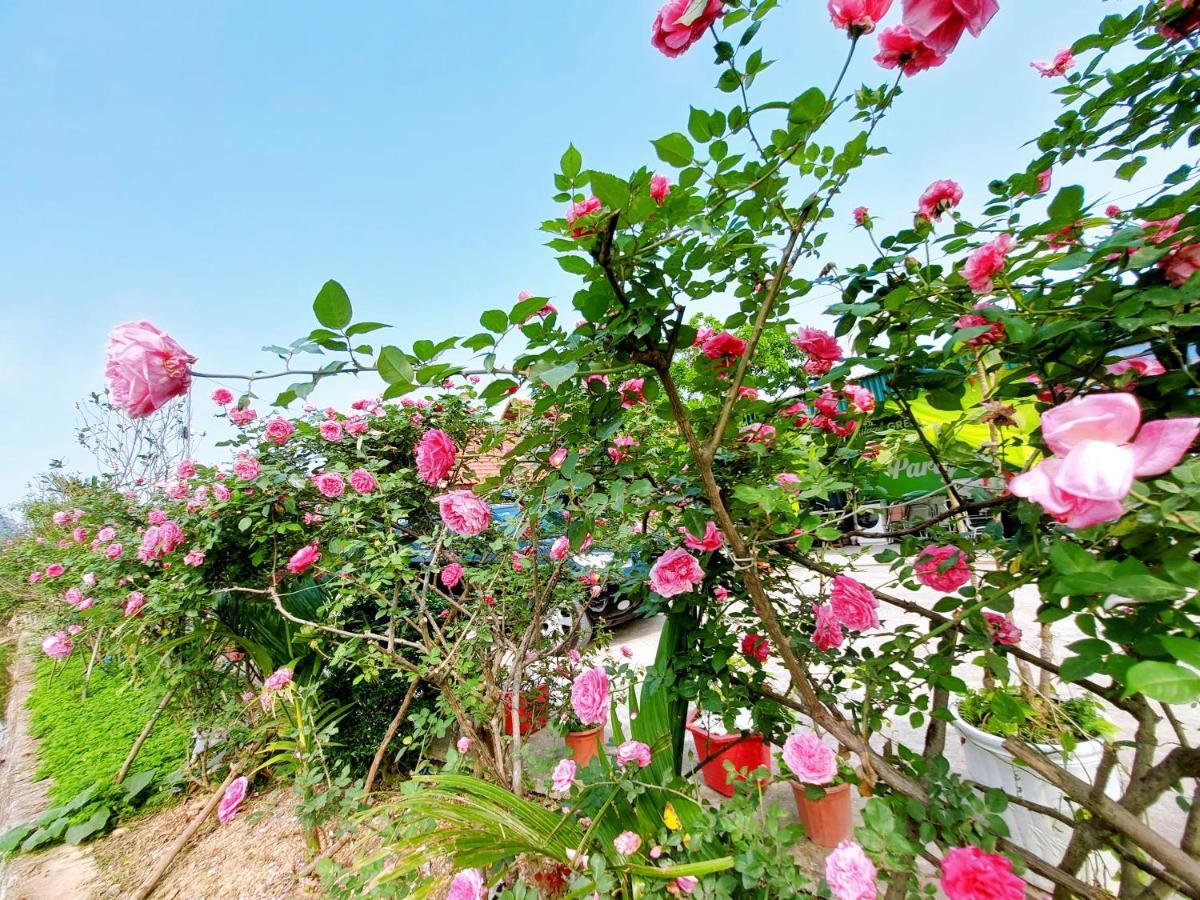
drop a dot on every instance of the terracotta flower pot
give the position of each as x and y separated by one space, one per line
584 745
744 752
827 821
533 711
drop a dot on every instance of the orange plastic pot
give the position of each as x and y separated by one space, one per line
584 745
746 753
533 710
827 821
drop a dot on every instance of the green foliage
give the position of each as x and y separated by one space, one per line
1005 712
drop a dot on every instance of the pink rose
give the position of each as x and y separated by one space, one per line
940 23
1142 365
74 630
232 799
942 567
970 874
589 696
278 430
355 425
222 396
247 468
757 647
330 484
563 775
146 368
1063 62
675 572
134 603
451 575
1180 263
303 558
1095 461
278 680
994 335
463 744
635 752
757 433
80 535
986 262
809 758
86 603
820 347
89 579
713 538
363 481
464 513
58 645
721 593
106 534
558 550
853 604
242 417
860 398
435 453
684 884
55 570
861 216
660 187
331 431
73 595
186 469
939 197
61 517
194 557
672 35
1003 629
828 632
581 210
787 479
850 873
723 346
631 392
220 492
113 551
900 48
558 457
466 885
858 17
627 843
1044 178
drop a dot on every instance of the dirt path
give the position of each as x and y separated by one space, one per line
59 872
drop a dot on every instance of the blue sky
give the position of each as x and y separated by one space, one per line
209 165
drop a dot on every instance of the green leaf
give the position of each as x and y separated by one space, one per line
332 306
494 320
136 783
393 365
576 265
14 836
365 328
1070 559
571 162
698 125
1165 682
674 149
612 191
77 834
558 374
424 350
1066 207
807 107
1183 649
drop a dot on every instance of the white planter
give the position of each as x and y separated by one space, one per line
990 764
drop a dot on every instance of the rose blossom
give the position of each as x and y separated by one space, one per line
303 558
464 513
79 534
558 550
684 884
828 632
61 517
723 346
1097 458
435 453
631 392
58 645
73 595
672 36
970 874
145 369
242 417
232 799
721 593
563 775
113 551
220 492
986 262
74 630
633 751
899 47
627 843
363 481
820 347
247 468
222 396
712 539
757 647
942 567
466 885
330 431
940 196
278 430
589 696
558 457
463 744
994 335
1003 629
451 575
861 216
580 210
809 758
194 557
278 680
134 603
89 579
1064 61
675 572
1142 365
660 187
330 484
1180 263
55 570
86 603
786 479
858 17
850 873
853 604
940 23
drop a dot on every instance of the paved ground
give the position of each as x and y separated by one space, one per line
642 636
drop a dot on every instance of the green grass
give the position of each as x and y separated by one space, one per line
82 741
7 650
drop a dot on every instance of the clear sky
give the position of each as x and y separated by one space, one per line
209 165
